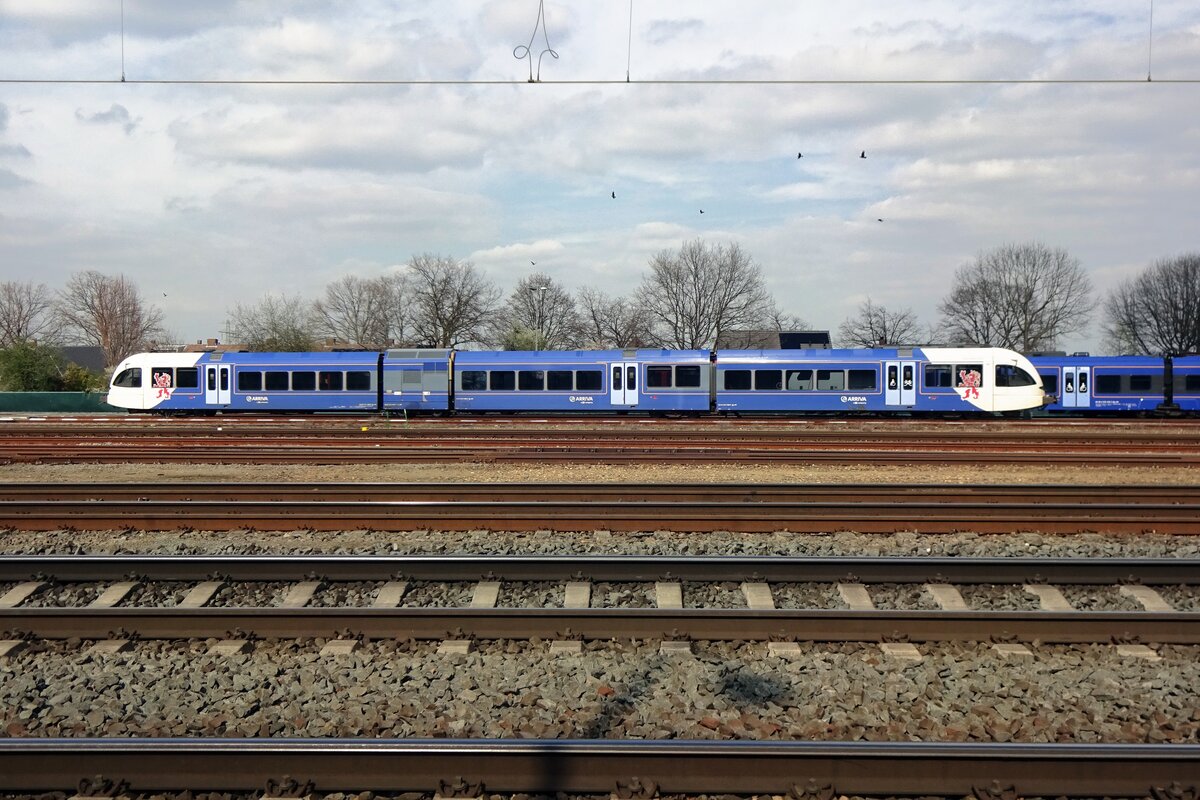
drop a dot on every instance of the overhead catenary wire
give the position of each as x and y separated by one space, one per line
604 82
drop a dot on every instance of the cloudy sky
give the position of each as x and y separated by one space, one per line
209 194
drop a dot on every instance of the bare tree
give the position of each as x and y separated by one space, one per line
780 321
107 311
612 322
1020 296
874 326
453 303
396 289
26 313
696 293
1158 312
277 322
540 305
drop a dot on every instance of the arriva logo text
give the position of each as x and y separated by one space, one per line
853 398
581 398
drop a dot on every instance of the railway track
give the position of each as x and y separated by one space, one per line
623 768
760 621
513 507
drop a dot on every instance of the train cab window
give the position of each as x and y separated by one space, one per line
502 380
559 380
531 380
860 380
304 381
1139 383
1011 375
1050 382
799 380
658 377
831 380
251 381
1191 383
1108 384
358 381
187 378
588 380
129 379
768 379
937 376
963 375
474 380
274 382
329 381
687 377
737 380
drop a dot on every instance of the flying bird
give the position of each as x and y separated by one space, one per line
534 263
614 195
864 154
879 220
799 155
702 211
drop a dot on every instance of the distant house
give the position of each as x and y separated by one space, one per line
773 340
90 357
212 346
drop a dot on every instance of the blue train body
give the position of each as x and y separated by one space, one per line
1119 384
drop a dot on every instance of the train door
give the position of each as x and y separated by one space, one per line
623 386
217 388
900 383
1076 387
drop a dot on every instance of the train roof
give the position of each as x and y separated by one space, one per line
822 354
575 356
338 357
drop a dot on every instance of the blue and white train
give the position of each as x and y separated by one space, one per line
1087 384
981 380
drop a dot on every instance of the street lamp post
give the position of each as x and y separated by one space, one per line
541 290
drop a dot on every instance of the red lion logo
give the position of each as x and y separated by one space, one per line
970 379
162 382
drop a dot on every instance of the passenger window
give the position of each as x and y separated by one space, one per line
861 379
631 378
588 380
358 381
531 380
1050 382
410 378
831 380
162 378
1108 384
212 379
502 380
474 380
1083 383
129 379
687 377
893 379
275 382
304 381
1069 383
617 378
330 381
968 375
1191 383
768 379
1010 375
799 380
558 380
658 377
1139 383
737 380
937 376
249 381
224 379
187 378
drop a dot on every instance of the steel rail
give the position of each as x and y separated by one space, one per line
597 766
626 492
823 625
929 516
83 568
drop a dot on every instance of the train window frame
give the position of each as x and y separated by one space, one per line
156 371
804 384
687 376
743 380
855 380
834 380
1191 383
275 380
960 383
336 381
249 380
938 372
411 379
502 380
589 380
560 380
658 376
211 383
531 380
1049 382
474 380
1011 371
1106 383
359 380
768 380
304 380
1140 383
129 378
187 378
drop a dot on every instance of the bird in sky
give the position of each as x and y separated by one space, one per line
534 263
879 220
799 155
864 154
702 211
614 194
